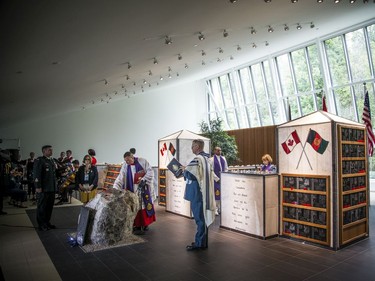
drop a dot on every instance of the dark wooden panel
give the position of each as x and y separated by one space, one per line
253 143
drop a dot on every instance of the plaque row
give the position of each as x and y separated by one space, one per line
305 183
305 199
305 231
350 134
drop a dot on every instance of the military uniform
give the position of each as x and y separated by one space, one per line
45 178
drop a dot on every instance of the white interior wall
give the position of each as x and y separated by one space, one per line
111 129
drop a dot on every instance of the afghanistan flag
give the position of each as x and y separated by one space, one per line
317 142
172 149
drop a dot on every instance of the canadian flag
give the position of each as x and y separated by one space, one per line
291 142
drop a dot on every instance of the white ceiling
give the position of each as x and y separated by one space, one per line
56 55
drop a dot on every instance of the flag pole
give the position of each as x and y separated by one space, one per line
303 151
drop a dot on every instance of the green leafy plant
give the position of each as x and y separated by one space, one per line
220 138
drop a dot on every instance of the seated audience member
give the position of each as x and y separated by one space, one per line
62 157
92 153
69 157
69 183
87 179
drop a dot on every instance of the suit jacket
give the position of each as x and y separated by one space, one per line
93 176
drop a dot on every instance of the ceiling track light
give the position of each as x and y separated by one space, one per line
218 60
253 31
144 81
127 77
267 1
337 1
270 29
150 72
161 78
201 36
221 50
169 69
239 48
129 65
286 28
225 33
319 1
203 53
203 62
365 1
294 1
179 57
266 43
233 1
122 86
105 82
168 40
134 83
115 93
186 66
352 1
169 76
299 27
231 58
312 25
177 74
155 61
254 45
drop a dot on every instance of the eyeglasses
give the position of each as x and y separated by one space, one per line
87 159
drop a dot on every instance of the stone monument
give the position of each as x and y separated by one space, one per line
113 215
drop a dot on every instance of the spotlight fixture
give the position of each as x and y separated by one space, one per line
105 82
218 60
122 86
155 61
267 1
186 66
294 1
93 102
144 81
179 57
270 29
225 33
352 1
203 62
231 58
134 83
169 69
253 31
129 65
233 1
239 48
299 27
168 40
337 1
312 25
319 1
149 85
101 100
161 78
286 28
125 91
201 36
169 76
266 43
150 72
203 53
254 45
115 93
221 50
365 1
177 74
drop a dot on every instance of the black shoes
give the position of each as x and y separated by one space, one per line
194 247
46 227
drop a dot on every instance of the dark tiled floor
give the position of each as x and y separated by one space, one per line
230 256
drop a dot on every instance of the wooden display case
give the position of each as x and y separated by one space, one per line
353 184
305 207
162 178
112 174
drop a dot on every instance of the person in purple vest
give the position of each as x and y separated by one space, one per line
219 164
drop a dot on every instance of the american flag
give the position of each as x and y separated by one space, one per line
366 118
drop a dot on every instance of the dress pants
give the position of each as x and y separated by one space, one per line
45 204
201 235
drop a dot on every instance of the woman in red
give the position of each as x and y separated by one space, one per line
92 153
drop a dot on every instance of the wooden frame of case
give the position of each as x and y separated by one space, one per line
111 175
306 207
353 183
162 179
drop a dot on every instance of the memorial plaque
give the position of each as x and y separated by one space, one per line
84 217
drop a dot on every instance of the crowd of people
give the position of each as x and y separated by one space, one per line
40 179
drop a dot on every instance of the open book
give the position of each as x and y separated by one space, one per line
175 167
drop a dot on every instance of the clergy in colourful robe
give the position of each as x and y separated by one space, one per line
137 172
219 164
